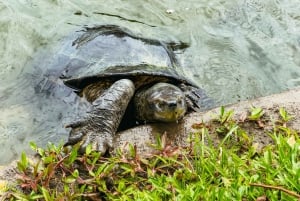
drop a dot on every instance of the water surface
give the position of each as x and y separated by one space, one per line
238 50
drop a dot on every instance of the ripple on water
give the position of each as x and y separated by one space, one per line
15 125
238 50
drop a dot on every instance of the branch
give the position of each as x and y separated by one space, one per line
277 188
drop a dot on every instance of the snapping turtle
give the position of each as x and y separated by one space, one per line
127 79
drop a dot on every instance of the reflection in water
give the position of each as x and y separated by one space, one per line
238 50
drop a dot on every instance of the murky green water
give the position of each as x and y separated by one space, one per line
238 50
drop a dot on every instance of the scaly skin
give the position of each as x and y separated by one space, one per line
161 102
99 127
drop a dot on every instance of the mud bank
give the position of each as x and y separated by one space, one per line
180 133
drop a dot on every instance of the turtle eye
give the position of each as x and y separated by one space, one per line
180 100
159 105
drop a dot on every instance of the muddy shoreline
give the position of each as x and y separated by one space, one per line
179 133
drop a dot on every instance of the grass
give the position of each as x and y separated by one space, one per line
202 171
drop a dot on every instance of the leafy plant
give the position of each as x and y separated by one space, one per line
256 113
284 115
225 116
197 172
22 165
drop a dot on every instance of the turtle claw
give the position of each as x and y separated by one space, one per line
76 133
192 96
196 98
75 124
97 143
82 134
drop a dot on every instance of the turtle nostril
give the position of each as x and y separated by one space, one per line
172 104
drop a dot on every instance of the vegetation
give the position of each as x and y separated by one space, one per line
202 171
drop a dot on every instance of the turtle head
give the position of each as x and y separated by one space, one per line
162 102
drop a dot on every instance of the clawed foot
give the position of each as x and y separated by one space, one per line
103 120
196 98
192 96
82 133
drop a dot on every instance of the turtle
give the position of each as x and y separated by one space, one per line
128 80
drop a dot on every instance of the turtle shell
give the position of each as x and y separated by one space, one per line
108 53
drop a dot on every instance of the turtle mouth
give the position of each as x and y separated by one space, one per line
172 115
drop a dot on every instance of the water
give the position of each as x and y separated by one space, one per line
238 50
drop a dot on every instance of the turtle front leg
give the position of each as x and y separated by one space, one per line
102 122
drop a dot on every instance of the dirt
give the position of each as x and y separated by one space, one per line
180 133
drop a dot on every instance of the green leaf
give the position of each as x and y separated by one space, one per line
75 173
46 194
225 116
33 146
231 131
226 182
48 159
121 186
22 165
24 159
73 156
256 113
88 149
222 111
284 114
70 179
